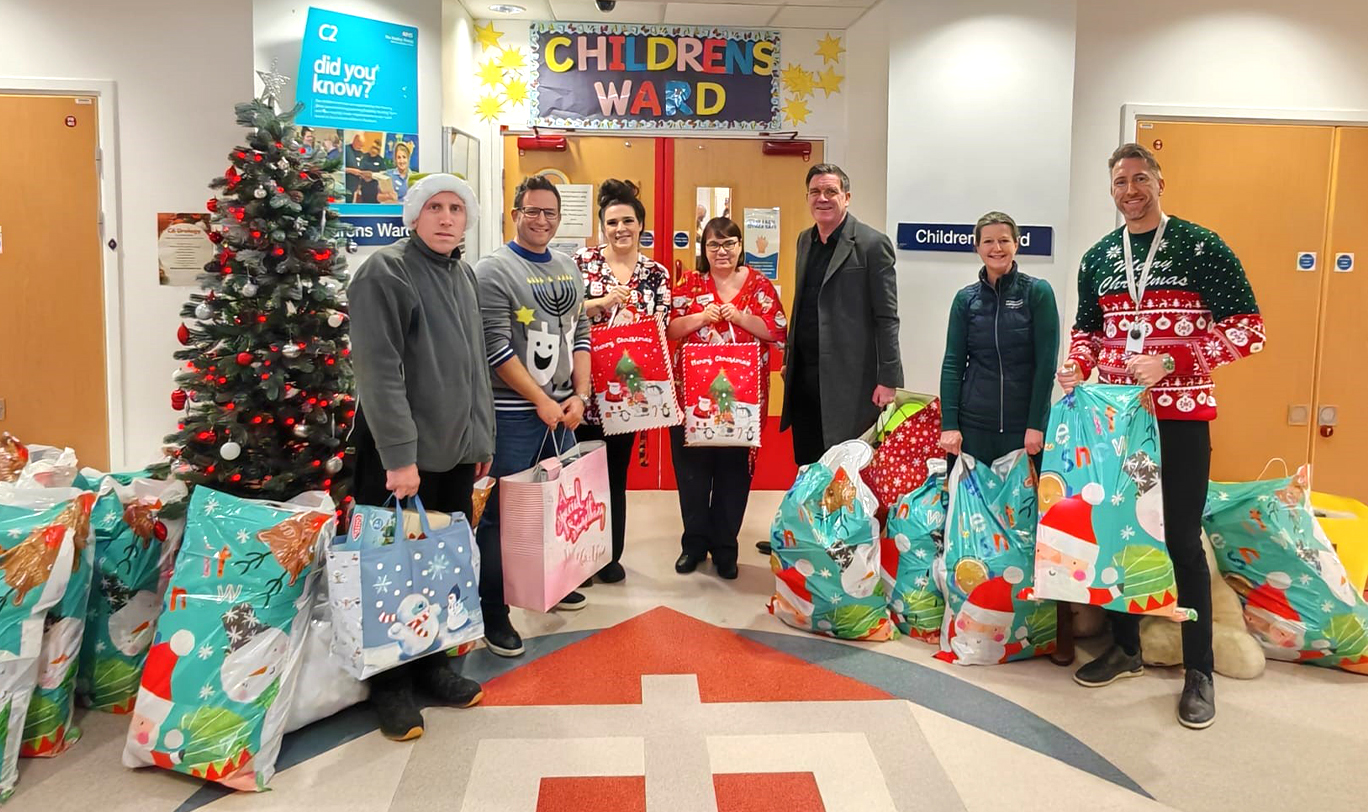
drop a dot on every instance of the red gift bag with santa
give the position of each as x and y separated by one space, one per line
721 397
633 381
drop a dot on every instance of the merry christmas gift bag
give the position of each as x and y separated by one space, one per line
633 382
989 547
217 685
39 529
398 599
134 545
905 438
721 397
554 526
825 551
914 538
1101 536
1298 600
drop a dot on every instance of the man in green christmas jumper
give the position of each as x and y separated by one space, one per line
1161 303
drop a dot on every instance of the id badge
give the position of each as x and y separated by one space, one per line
1135 339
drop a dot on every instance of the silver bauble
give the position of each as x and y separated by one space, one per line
249 289
203 312
290 350
259 193
230 451
333 465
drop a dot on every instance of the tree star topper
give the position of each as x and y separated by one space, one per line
272 82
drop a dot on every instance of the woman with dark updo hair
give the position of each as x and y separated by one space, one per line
621 286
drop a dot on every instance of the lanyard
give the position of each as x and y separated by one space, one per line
1138 292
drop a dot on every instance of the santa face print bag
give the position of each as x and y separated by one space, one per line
989 544
633 382
1101 536
1298 599
219 677
722 395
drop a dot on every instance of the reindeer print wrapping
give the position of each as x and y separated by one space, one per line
216 688
133 545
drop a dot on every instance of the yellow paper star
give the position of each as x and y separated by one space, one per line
487 35
491 73
525 315
512 59
829 49
489 107
797 110
830 81
797 80
515 90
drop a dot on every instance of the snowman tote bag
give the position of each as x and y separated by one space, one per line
1101 533
400 596
220 675
554 527
633 380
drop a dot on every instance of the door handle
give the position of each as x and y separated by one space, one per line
1326 418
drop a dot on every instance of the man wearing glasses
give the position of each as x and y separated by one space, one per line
843 337
537 340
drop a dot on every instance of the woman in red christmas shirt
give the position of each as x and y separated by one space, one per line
1161 303
722 301
621 286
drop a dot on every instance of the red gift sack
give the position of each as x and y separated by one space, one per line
721 400
899 464
633 382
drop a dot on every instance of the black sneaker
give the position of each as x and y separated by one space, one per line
1197 707
611 573
572 602
504 641
436 679
1114 664
588 582
763 547
400 718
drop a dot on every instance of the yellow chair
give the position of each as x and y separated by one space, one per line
1345 522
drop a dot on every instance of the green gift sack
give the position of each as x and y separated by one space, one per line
913 539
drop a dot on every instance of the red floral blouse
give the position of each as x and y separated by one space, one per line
696 290
650 285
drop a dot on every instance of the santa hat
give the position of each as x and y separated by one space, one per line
154 700
990 604
1270 600
421 192
790 584
1067 526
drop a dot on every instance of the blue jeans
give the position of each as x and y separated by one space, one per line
520 442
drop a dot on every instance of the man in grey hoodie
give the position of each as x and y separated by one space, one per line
537 340
425 420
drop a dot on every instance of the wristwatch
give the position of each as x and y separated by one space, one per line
584 398
1169 365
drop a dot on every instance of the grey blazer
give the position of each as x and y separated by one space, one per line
858 313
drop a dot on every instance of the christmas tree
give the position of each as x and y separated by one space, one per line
265 377
723 394
629 374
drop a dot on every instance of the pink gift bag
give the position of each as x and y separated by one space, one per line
554 526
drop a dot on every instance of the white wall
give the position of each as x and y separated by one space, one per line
178 76
980 120
1217 53
866 141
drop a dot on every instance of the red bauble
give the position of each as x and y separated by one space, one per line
216 237
257 157
244 359
212 205
159 530
278 251
322 255
256 235
239 214
178 399
183 334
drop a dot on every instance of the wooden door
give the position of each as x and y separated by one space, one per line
1338 459
756 180
587 159
1263 188
52 332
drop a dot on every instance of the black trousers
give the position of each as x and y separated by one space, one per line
805 414
442 491
1185 446
714 487
619 448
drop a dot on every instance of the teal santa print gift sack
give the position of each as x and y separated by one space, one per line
825 558
39 533
1298 600
989 546
1101 535
913 541
216 689
134 546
